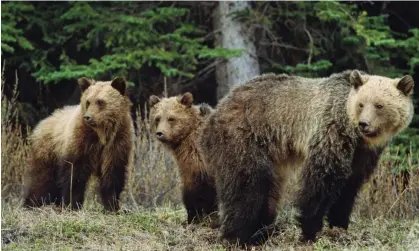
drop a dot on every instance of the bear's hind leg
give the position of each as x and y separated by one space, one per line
41 195
40 185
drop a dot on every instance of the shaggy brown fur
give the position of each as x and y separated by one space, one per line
335 128
93 138
177 123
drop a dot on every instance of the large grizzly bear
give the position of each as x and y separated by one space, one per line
335 128
95 137
177 123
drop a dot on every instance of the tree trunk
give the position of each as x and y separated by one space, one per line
233 34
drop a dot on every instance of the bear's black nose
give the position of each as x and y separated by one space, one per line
159 135
87 118
363 124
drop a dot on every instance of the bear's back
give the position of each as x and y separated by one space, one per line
287 110
55 133
272 99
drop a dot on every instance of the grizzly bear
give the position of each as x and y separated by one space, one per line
176 123
335 128
75 142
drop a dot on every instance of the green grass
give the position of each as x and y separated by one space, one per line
164 228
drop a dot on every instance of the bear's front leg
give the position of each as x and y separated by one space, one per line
208 195
191 201
364 162
111 186
73 177
112 182
199 198
323 178
316 196
249 193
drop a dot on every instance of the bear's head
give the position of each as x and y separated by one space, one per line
174 118
380 107
103 104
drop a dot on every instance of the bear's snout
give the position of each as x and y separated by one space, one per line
88 119
160 135
367 130
363 125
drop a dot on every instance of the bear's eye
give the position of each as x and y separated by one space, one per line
361 105
379 107
171 119
100 102
87 103
157 120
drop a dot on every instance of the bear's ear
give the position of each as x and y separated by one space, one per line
84 83
153 100
204 110
119 84
356 79
405 85
187 99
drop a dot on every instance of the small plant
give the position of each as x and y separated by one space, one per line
14 148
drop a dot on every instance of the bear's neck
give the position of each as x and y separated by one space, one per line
187 155
188 149
185 144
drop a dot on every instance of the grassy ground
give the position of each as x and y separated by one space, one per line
164 229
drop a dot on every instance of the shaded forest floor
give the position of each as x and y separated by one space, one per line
164 229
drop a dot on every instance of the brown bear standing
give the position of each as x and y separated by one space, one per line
95 137
335 128
177 123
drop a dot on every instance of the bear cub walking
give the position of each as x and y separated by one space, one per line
334 128
75 142
176 123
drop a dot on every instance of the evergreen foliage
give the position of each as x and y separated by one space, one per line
120 37
11 15
330 36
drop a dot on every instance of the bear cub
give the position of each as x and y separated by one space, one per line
76 142
176 123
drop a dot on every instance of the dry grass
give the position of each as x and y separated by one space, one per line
163 228
385 216
389 195
14 148
154 180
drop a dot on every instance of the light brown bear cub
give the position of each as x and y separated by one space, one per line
177 123
93 138
335 128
